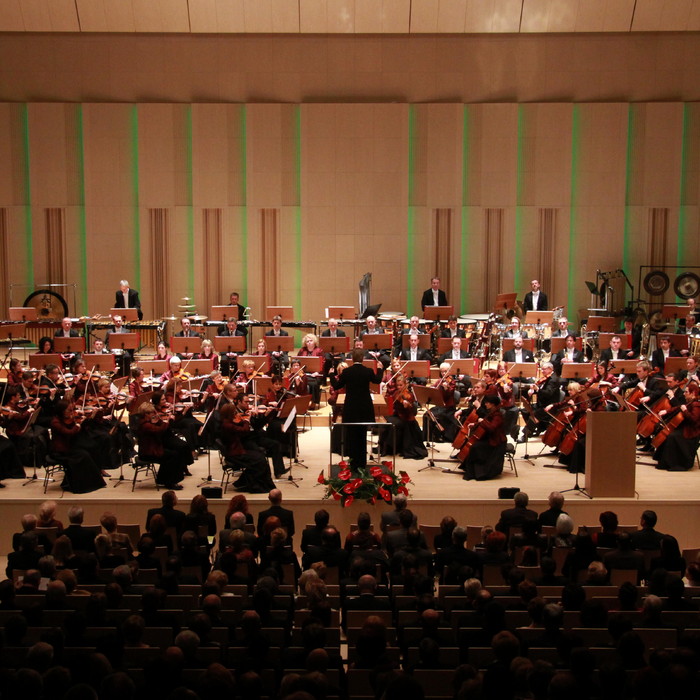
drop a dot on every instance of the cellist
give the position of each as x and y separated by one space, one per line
677 452
486 456
447 426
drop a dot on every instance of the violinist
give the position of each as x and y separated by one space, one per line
113 430
83 381
498 382
28 388
174 439
247 375
162 351
542 393
270 442
14 374
206 352
45 346
262 352
447 425
82 474
285 440
18 448
677 451
409 439
487 454
314 379
174 370
51 391
182 401
154 446
256 471
602 378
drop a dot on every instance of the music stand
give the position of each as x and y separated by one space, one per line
438 313
292 407
153 366
426 395
223 313
200 369
576 370
185 346
341 312
602 324
311 363
262 385
25 314
674 364
262 363
679 341
378 341
674 311
128 315
12 331
279 343
468 366
124 341
625 366
40 360
69 345
100 362
334 346
504 302
416 369
539 318
286 312
423 341
140 400
228 343
32 419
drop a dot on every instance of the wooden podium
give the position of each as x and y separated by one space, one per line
611 454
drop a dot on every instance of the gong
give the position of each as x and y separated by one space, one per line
656 282
687 285
50 306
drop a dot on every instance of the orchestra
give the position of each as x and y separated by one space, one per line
93 425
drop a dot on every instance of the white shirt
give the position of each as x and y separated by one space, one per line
435 297
126 299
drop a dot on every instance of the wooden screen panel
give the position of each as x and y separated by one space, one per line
269 238
547 236
658 236
493 225
4 255
159 235
442 250
213 260
55 244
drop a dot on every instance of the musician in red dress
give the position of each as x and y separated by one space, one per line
486 456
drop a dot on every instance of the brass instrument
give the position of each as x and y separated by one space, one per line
646 338
694 341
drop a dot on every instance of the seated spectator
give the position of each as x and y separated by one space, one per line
607 537
47 516
564 533
173 517
190 553
596 574
238 504
278 553
547 576
62 553
548 518
647 538
362 537
237 522
27 557
312 535
583 554
118 540
200 521
692 574
107 556
329 552
516 516
146 558
670 559
157 531
573 596
393 540
624 557
676 600
528 537
415 547
495 550
454 562
29 524
132 631
444 537
82 538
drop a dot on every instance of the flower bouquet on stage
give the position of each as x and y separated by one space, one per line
367 484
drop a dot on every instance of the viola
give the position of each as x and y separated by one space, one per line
476 432
463 433
555 430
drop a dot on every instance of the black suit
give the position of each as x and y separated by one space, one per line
271 333
463 355
427 298
514 517
421 354
606 355
558 359
541 302
173 518
286 518
447 333
134 301
239 314
327 333
358 408
73 333
82 538
509 356
658 360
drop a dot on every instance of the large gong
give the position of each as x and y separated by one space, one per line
687 285
50 306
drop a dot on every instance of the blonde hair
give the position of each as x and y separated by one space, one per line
309 336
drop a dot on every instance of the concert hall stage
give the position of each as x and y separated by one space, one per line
673 495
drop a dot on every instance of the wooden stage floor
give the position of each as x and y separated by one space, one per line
674 495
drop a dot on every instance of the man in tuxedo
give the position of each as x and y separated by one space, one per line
227 360
372 328
518 353
451 330
127 298
433 296
456 353
535 300
568 353
614 352
543 393
286 516
413 352
66 330
332 331
239 309
280 359
562 329
662 353
124 357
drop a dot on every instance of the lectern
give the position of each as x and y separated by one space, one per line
611 453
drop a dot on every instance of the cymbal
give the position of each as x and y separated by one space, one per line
198 317
186 298
169 318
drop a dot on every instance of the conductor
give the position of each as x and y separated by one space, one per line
358 407
127 298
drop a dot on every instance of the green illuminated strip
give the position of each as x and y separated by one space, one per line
297 212
82 226
244 208
465 204
28 228
627 235
411 232
190 207
136 222
520 178
575 155
681 255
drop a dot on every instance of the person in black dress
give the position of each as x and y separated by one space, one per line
358 407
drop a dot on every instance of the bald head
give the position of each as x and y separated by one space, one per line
275 497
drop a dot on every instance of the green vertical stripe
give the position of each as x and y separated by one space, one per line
244 208
82 226
627 234
190 202
297 212
465 203
411 232
136 221
28 227
573 204
519 203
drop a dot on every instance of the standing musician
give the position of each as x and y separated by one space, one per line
487 454
358 408
82 474
127 298
662 353
444 416
310 349
433 296
535 299
451 330
155 445
30 443
256 471
567 354
545 391
279 357
234 300
409 439
228 359
677 452
206 352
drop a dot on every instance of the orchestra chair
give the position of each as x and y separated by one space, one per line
229 469
52 468
146 468
510 456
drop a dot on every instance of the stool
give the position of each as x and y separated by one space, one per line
510 456
145 467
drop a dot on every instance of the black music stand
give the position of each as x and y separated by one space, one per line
292 407
426 395
32 419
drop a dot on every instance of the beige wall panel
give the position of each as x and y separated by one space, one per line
444 166
258 15
120 15
12 154
452 15
424 16
233 221
482 18
11 19
18 262
379 16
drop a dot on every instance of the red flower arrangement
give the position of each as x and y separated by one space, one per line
368 484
